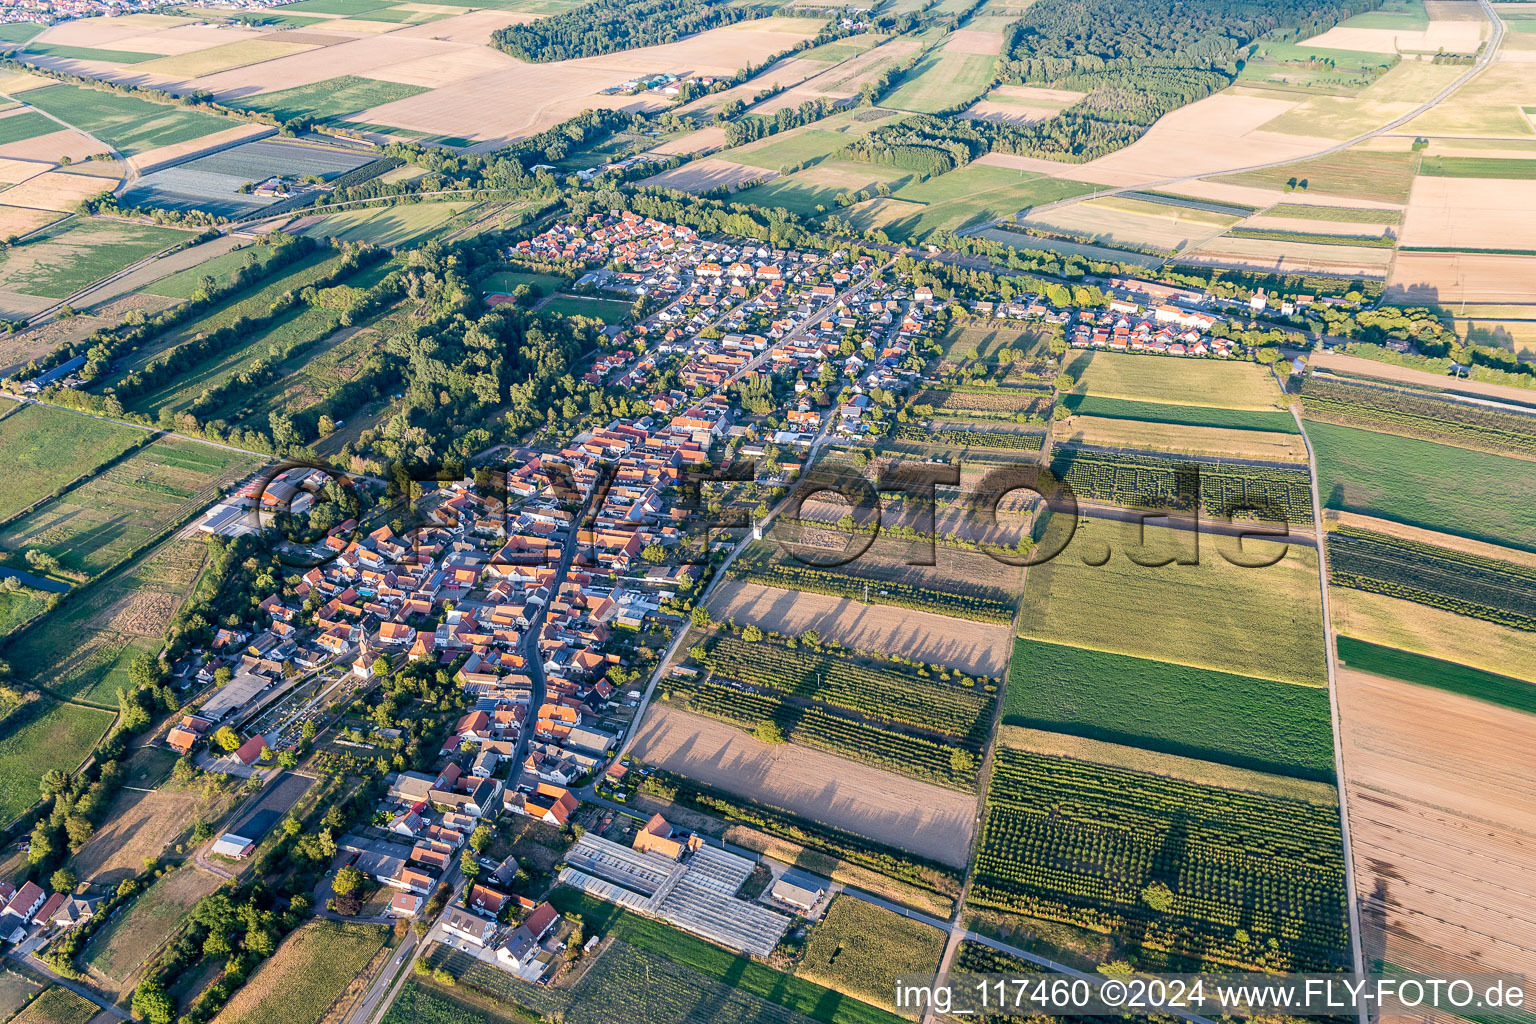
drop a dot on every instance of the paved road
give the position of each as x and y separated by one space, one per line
1489 54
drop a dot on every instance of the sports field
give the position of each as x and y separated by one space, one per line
607 310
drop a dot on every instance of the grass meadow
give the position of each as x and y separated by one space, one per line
307 974
117 951
333 97
46 448
859 949
942 81
60 261
1259 724
1210 383
961 198
44 735
610 311
387 225
1354 173
1180 415
1434 486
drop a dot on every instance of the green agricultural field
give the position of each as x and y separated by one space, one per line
1264 622
712 962
609 311
1443 675
1208 382
1465 167
389 226
962 198
183 283
833 53
507 281
57 1005
333 97
790 148
1345 214
307 974
88 53
1354 173
26 125
1453 490
63 259
348 8
252 302
942 81
41 737
1401 15
99 522
20 31
1180 415
46 448
859 949
1259 724
127 124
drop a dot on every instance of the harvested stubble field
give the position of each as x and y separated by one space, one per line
1354 173
1459 279
41 737
1431 486
1264 622
1117 220
1288 256
46 448
92 526
1470 213
310 971
1440 814
820 185
927 820
1209 382
1243 721
64 259
859 949
55 190
971 647
1181 439
222 57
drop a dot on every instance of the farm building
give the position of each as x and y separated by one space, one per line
234 846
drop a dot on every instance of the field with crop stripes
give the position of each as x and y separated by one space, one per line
1224 489
1433 486
1180 415
889 692
884 581
941 761
1456 581
1251 723
1419 414
1443 675
1244 881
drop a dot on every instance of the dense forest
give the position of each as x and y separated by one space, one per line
609 26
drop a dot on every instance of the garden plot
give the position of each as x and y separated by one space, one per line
922 819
